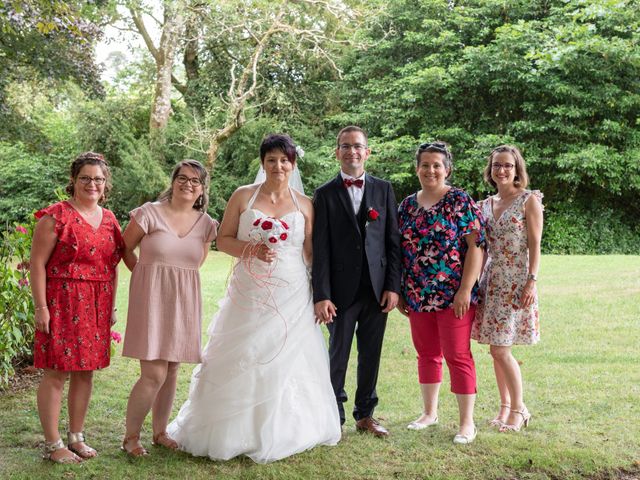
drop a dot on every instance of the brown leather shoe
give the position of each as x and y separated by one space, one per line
371 425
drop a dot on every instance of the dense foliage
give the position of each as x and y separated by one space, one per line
16 308
558 78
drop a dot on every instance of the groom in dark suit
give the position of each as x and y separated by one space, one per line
356 271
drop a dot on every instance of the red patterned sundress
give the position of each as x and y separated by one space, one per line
80 275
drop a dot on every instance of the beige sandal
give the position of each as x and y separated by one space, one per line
138 451
523 423
85 452
496 422
51 447
163 439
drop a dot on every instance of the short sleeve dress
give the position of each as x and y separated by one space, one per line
499 319
434 249
79 291
164 320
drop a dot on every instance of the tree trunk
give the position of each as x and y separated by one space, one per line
161 108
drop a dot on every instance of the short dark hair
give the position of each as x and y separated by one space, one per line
202 201
437 146
89 158
351 128
278 141
521 179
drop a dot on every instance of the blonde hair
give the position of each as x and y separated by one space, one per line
521 179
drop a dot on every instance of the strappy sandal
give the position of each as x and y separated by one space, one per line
51 447
496 422
163 439
85 452
138 451
523 423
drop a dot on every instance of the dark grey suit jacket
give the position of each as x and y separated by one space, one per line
337 242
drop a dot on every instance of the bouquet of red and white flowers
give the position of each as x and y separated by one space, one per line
270 231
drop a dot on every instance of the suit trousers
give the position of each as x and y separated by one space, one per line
363 317
438 333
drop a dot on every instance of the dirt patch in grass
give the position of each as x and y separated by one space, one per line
25 378
623 474
632 473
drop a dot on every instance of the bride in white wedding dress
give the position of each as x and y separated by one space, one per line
263 388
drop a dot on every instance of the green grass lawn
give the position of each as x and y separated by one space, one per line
582 385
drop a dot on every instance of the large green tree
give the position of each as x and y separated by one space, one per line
561 79
49 40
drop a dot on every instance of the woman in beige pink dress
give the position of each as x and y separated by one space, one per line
165 306
507 313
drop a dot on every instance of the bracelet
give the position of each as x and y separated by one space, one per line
533 277
44 307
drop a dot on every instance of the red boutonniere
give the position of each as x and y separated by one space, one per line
372 215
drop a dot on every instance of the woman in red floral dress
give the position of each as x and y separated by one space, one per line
76 248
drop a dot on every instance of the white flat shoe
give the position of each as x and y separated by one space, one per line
465 439
421 426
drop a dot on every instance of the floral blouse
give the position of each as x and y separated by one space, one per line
434 248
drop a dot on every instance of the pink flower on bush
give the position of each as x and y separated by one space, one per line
21 229
24 265
115 336
23 282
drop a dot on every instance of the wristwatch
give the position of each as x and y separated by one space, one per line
533 277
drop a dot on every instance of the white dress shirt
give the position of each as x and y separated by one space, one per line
355 193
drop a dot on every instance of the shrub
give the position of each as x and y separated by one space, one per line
16 307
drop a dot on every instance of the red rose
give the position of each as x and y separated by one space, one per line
284 224
267 225
255 224
373 214
273 239
283 236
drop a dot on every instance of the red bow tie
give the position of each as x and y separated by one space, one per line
348 182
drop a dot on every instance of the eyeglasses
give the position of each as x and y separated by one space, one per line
506 166
86 180
194 181
346 147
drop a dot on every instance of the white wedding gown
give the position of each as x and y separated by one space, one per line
263 388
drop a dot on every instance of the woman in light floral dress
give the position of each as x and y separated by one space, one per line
507 313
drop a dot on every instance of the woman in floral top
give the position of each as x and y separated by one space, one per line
508 310
442 234
76 248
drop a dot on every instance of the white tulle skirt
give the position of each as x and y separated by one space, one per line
263 389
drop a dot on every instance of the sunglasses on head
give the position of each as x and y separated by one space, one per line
435 147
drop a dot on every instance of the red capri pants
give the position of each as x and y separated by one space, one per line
438 333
